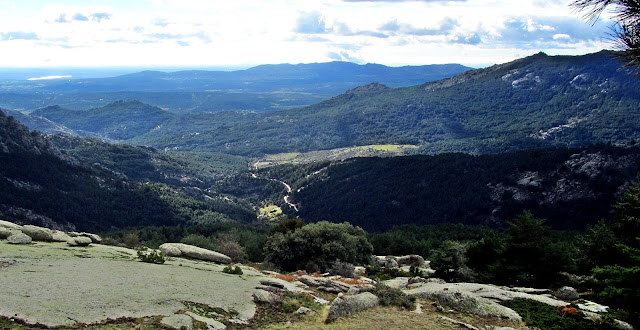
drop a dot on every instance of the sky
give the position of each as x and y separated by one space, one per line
244 33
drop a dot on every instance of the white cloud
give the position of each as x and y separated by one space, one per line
248 32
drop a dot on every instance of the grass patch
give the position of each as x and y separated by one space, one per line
270 213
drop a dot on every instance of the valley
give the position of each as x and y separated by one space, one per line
519 174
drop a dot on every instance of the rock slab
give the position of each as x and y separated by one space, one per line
178 321
347 305
194 252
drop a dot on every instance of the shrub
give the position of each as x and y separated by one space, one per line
228 245
232 270
151 256
394 297
341 268
132 239
543 316
318 244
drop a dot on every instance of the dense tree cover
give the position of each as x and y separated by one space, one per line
315 246
569 187
177 168
42 185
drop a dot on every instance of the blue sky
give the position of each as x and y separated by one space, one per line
243 33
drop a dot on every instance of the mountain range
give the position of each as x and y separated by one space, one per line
261 88
534 102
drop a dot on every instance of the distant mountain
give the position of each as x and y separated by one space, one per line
321 78
117 121
528 103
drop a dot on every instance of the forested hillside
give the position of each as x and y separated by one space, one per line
39 184
571 188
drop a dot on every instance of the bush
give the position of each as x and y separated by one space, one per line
232 270
379 273
228 245
151 256
394 297
341 268
319 245
132 239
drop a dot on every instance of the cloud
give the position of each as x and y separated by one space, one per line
472 39
343 29
99 17
79 17
163 22
344 56
532 30
18 35
182 43
446 26
310 23
202 35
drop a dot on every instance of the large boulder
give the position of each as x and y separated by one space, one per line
265 297
19 238
10 225
411 260
38 233
60 236
79 241
194 252
566 293
347 305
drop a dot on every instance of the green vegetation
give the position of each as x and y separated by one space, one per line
150 255
544 316
394 297
314 246
232 270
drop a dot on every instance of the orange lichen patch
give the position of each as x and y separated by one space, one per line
352 281
569 311
288 278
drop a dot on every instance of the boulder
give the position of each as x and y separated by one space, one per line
347 305
79 241
411 260
94 238
304 310
6 232
193 252
397 283
38 233
19 238
566 293
178 321
10 225
60 236
265 297
272 283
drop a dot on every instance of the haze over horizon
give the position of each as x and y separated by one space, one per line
245 33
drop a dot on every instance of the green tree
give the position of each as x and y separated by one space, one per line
315 246
626 31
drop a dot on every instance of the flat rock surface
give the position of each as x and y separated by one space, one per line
53 284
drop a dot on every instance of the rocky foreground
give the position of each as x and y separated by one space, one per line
64 283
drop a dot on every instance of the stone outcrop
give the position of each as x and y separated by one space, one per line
265 297
347 305
38 233
79 241
19 238
6 232
94 238
60 236
326 284
194 252
566 293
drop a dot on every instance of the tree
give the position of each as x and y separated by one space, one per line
315 247
626 31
